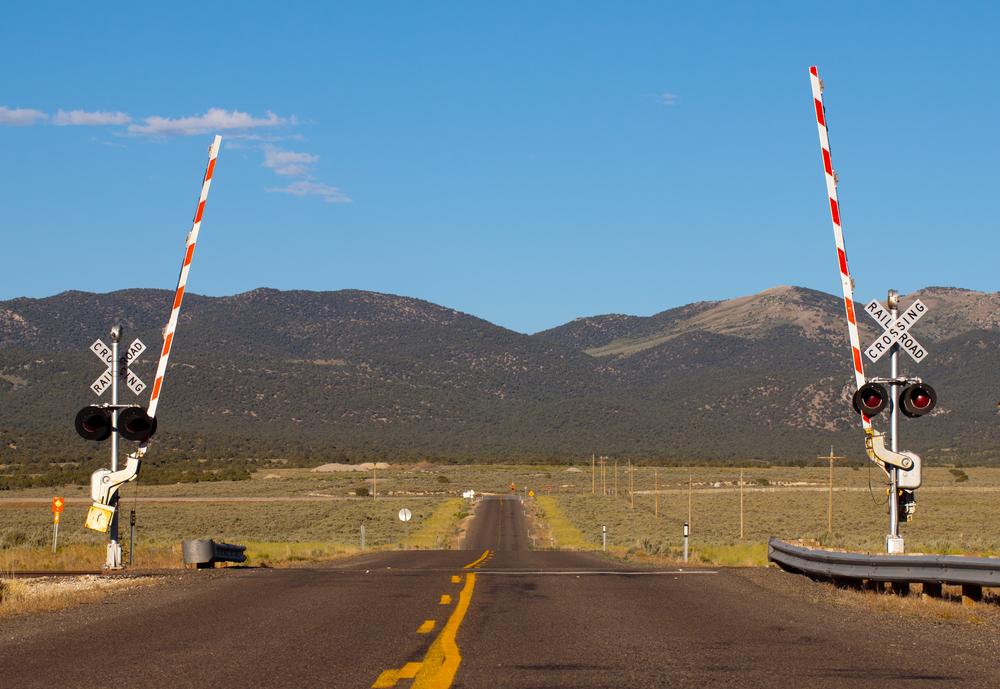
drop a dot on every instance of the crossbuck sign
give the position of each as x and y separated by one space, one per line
103 353
897 331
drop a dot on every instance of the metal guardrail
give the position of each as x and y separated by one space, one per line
904 569
204 553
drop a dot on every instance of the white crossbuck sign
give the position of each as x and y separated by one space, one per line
896 331
103 353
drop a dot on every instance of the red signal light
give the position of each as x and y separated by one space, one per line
93 423
135 424
870 399
917 399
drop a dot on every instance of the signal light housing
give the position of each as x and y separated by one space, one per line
135 424
93 423
917 399
870 399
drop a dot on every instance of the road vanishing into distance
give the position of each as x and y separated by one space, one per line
494 615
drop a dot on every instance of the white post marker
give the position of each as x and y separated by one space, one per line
105 354
896 331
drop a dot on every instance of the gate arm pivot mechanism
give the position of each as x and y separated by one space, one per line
104 485
877 451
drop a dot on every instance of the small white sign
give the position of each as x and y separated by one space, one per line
405 515
897 331
469 494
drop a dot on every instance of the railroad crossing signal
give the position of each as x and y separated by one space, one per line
103 352
896 331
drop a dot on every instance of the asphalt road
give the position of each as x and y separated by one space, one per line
495 615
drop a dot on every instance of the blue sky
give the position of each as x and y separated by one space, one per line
528 163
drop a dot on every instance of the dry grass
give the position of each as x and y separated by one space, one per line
285 554
952 519
557 530
25 596
83 557
281 530
314 513
439 530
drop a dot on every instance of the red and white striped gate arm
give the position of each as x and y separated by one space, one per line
192 239
838 234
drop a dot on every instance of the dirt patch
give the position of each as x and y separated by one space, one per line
335 467
25 596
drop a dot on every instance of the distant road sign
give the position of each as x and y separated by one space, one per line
405 515
132 381
897 331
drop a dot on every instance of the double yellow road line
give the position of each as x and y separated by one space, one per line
440 664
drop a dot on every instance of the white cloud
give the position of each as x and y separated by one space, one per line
668 99
307 188
288 163
20 117
215 120
82 117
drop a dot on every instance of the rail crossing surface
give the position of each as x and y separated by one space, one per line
495 615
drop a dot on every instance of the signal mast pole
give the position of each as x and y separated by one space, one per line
114 558
894 543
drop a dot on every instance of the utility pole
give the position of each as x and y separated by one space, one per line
656 493
631 485
374 479
741 504
616 477
593 476
829 509
604 477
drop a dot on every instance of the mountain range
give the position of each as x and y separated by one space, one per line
353 375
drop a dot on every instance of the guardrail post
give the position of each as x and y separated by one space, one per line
901 588
932 590
971 594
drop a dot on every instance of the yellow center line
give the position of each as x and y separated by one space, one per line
410 670
477 561
389 678
443 657
438 668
